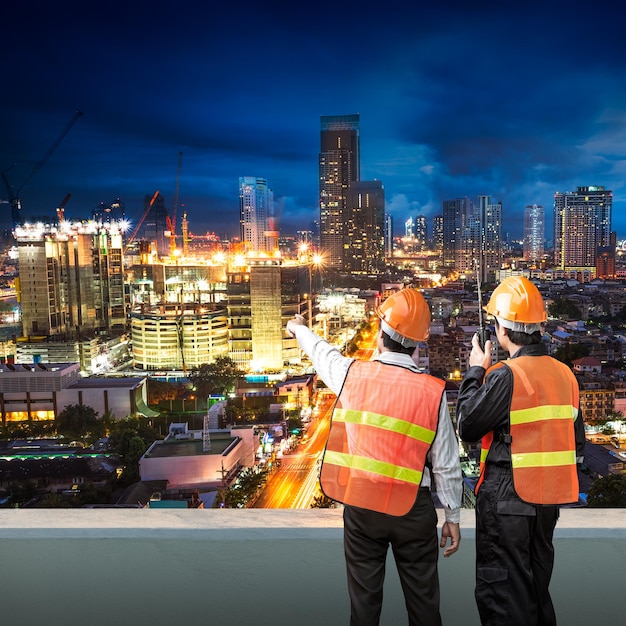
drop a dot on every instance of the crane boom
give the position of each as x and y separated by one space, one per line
140 222
14 196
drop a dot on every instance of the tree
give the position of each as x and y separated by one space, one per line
562 308
570 352
77 421
608 492
218 377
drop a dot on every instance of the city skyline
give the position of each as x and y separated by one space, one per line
454 101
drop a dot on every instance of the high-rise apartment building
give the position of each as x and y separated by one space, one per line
388 235
437 241
534 234
582 225
364 249
472 235
256 211
454 214
490 216
339 167
420 231
71 280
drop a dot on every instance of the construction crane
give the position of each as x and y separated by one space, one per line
61 207
14 195
171 223
141 221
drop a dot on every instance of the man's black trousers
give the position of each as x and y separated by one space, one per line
514 555
413 539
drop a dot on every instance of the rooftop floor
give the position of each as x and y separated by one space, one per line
249 567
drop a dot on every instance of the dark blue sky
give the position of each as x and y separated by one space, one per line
512 99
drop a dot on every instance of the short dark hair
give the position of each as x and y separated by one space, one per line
520 338
394 346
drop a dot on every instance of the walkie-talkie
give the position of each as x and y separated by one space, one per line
483 333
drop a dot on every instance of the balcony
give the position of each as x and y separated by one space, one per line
246 567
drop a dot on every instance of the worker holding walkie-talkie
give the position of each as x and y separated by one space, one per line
525 411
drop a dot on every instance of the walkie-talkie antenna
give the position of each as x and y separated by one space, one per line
483 334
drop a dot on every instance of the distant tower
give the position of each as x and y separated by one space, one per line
364 251
409 227
491 236
388 235
339 167
420 231
256 212
582 224
437 242
455 216
533 233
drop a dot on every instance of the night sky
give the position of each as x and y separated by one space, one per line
516 100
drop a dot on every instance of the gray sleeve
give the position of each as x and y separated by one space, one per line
331 366
446 465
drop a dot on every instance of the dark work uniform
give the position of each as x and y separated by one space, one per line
514 551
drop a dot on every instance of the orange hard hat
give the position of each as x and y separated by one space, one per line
518 301
405 313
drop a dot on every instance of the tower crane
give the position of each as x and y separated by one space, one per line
141 221
14 195
61 207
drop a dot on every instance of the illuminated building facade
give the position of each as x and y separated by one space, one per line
339 167
438 239
178 338
582 224
71 280
388 235
39 392
490 223
178 314
256 214
262 296
364 249
420 232
455 214
534 235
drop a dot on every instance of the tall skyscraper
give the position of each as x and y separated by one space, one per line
472 235
490 216
582 225
339 167
364 248
437 241
256 206
454 214
388 235
421 232
534 234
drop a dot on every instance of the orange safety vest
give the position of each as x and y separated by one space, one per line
383 424
544 406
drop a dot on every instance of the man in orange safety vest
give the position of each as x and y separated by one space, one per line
390 436
525 411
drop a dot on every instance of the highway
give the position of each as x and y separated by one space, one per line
295 483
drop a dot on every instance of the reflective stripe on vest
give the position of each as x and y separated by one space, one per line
544 406
382 427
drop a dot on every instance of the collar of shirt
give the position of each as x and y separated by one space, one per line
397 358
